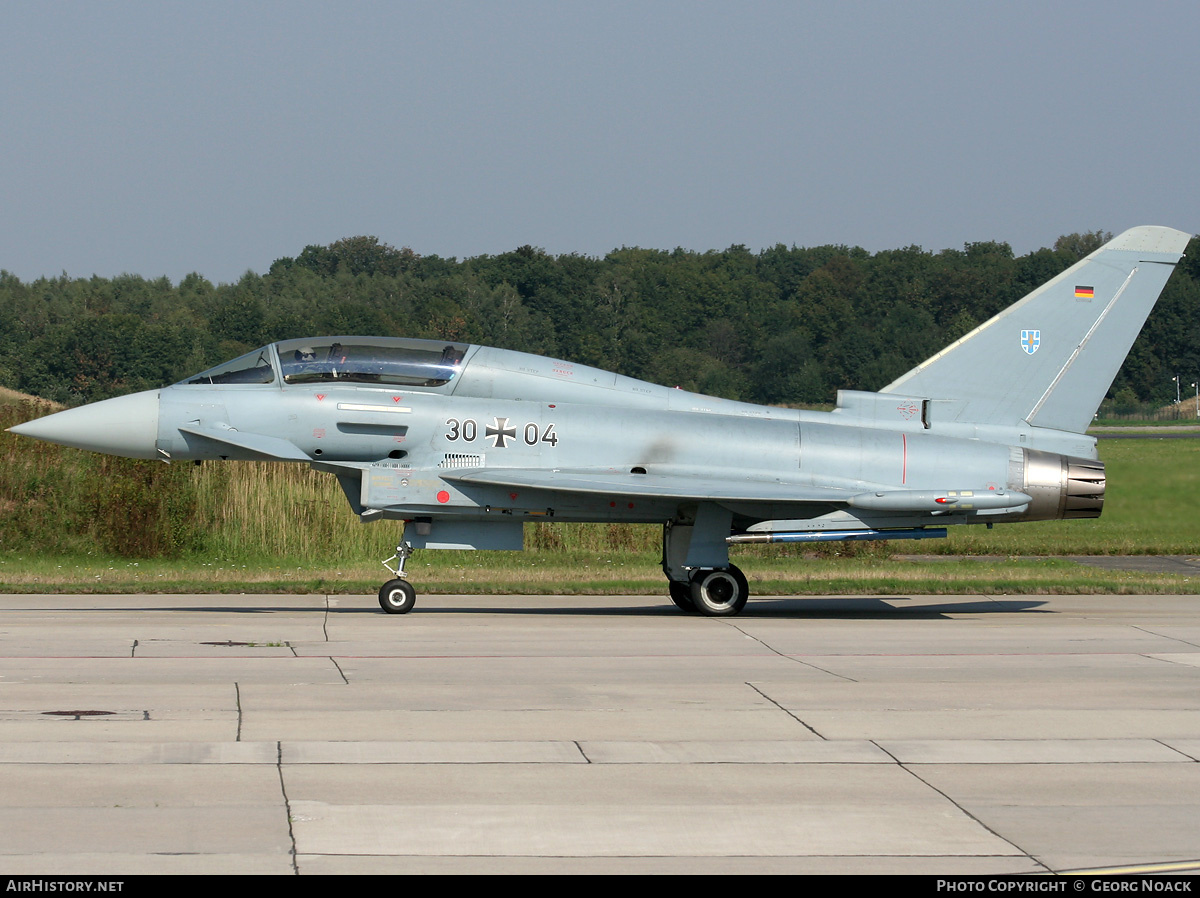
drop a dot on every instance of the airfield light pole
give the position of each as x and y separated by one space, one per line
1196 387
1176 379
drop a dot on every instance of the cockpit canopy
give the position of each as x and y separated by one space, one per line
391 361
410 363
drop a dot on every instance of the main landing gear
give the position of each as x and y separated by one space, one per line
397 596
719 592
696 562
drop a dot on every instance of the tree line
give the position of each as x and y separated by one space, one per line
784 325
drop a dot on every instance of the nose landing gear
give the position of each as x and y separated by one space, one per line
398 596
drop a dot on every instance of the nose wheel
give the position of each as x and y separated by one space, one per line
398 596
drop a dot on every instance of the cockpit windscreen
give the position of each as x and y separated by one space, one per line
251 368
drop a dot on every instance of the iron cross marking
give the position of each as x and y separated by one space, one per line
499 432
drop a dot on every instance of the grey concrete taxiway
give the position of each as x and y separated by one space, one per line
315 734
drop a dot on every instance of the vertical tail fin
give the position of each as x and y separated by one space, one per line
1050 358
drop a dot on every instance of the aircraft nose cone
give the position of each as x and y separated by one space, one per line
127 425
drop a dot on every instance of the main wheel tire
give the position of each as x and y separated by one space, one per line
397 597
721 592
681 595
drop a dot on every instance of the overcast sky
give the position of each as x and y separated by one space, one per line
164 138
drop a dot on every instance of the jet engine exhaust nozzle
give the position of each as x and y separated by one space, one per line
1062 487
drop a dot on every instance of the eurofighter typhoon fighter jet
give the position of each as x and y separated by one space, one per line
466 443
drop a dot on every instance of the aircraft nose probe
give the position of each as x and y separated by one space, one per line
126 425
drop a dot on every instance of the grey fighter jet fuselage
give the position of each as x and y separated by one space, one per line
466 443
